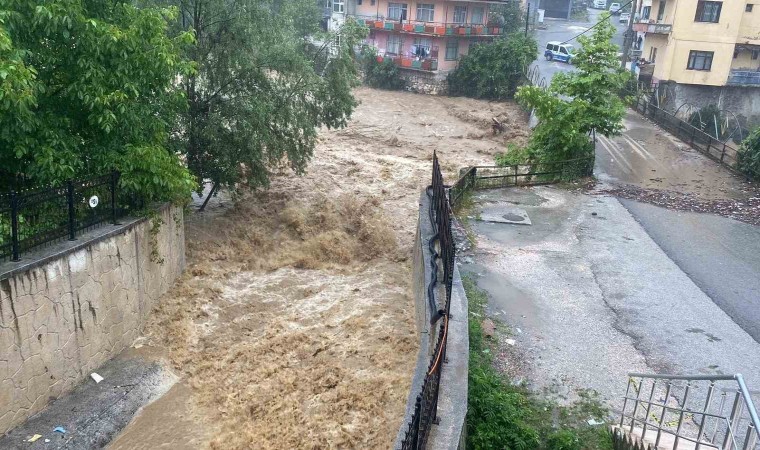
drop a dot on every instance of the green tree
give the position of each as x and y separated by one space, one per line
267 78
576 103
86 87
749 155
382 75
493 70
509 15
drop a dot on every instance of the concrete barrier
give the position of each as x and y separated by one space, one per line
450 432
75 306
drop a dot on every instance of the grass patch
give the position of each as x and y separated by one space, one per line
463 211
504 416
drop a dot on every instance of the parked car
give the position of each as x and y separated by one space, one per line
624 17
559 52
600 4
615 9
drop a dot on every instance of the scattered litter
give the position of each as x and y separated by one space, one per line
59 430
96 377
519 331
594 422
34 438
47 440
593 213
511 341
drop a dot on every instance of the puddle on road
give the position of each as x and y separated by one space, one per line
506 302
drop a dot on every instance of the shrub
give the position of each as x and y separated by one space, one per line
494 70
749 155
383 75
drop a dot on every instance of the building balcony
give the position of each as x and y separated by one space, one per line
429 28
644 26
743 78
406 62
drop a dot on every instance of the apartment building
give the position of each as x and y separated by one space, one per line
427 36
704 51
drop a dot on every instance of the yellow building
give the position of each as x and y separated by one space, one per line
698 42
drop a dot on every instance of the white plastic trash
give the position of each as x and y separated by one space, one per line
96 377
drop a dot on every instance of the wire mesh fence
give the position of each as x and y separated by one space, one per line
30 218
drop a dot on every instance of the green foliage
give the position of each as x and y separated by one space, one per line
576 103
267 79
749 155
504 416
87 87
509 15
382 75
493 70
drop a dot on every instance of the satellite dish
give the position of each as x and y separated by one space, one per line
94 201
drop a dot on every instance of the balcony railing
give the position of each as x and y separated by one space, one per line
654 28
429 28
744 78
408 62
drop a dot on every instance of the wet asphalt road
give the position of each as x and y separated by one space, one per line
720 255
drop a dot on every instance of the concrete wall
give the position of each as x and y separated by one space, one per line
743 101
425 82
64 315
450 433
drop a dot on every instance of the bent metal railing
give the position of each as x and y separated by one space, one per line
690 411
441 246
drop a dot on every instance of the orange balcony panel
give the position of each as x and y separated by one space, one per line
406 62
440 30
461 30
408 27
378 24
477 29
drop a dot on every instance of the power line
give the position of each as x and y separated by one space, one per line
596 25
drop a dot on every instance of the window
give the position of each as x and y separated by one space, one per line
748 7
460 14
661 11
755 54
563 50
425 12
359 2
452 49
478 16
645 12
338 6
396 11
653 55
394 44
425 43
700 60
708 11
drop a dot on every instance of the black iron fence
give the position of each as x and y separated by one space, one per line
31 218
705 143
442 248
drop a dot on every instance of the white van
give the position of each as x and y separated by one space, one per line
600 4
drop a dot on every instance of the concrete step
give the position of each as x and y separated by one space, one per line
667 440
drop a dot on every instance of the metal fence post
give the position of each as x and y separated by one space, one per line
14 227
723 153
72 215
114 179
693 134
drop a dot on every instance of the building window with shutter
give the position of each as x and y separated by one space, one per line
699 60
748 7
452 50
338 6
394 44
425 12
460 14
397 11
708 11
477 17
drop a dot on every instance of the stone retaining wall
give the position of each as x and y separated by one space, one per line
66 313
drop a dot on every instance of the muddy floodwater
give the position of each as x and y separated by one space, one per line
293 326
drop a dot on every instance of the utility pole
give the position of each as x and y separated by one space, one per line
628 39
527 19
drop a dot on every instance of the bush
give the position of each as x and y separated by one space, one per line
494 70
382 75
749 155
708 119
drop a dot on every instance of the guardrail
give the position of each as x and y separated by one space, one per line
34 217
744 78
428 28
712 411
706 144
